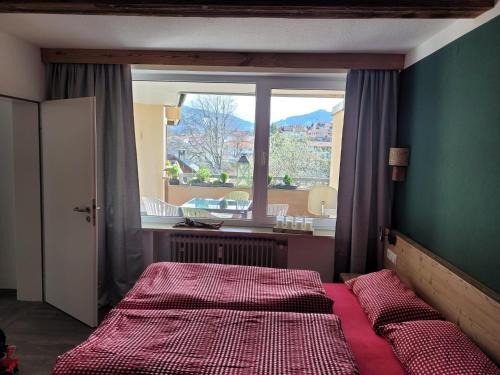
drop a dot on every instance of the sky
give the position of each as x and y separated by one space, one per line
281 107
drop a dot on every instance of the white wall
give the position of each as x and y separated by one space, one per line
7 216
22 73
448 35
149 137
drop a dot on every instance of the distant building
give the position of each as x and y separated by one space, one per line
294 128
186 167
320 131
236 148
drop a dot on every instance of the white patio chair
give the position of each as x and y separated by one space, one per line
237 195
157 207
322 201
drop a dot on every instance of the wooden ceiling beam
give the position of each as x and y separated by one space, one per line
320 9
328 61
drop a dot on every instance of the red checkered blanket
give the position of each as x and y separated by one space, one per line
218 342
218 286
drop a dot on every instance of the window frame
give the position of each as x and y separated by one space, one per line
264 84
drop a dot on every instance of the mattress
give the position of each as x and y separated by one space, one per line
373 354
220 342
167 285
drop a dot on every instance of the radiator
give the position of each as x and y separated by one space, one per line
250 251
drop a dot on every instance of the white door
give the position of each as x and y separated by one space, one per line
69 218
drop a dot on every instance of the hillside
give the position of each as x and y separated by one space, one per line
194 113
190 113
306 119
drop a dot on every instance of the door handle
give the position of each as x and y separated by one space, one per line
84 209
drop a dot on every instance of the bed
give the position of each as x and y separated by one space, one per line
166 285
474 307
205 319
151 342
371 352
216 341
218 319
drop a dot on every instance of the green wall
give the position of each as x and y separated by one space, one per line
449 116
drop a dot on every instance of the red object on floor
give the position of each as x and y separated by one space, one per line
373 354
9 364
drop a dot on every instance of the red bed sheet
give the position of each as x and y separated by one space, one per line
222 342
373 354
168 285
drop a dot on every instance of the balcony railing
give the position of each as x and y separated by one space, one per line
300 182
296 200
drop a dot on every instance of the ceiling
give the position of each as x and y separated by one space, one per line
147 92
167 93
247 34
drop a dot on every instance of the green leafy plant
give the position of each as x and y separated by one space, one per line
269 179
224 177
168 168
287 180
175 171
203 174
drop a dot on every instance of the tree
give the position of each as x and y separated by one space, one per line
293 155
207 128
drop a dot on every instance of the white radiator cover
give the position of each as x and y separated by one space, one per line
249 251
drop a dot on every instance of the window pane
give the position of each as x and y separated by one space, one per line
304 152
206 156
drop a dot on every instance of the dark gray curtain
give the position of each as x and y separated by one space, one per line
365 186
120 242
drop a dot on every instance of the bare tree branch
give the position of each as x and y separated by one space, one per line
208 128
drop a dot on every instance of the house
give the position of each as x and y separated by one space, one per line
320 130
319 152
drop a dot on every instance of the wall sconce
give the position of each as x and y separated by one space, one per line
398 160
173 114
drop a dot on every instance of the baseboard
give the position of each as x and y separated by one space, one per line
8 292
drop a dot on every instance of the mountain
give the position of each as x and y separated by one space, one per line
190 112
244 125
320 115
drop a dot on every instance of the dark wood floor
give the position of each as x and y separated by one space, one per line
40 332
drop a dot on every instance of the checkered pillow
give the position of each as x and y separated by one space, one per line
385 299
437 347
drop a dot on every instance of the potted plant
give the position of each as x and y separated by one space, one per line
287 180
167 167
287 183
269 180
175 171
172 172
202 177
223 178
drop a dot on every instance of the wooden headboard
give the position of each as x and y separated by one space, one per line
461 299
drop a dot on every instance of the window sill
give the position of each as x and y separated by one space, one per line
232 230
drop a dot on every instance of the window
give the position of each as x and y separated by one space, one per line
241 149
303 152
209 155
